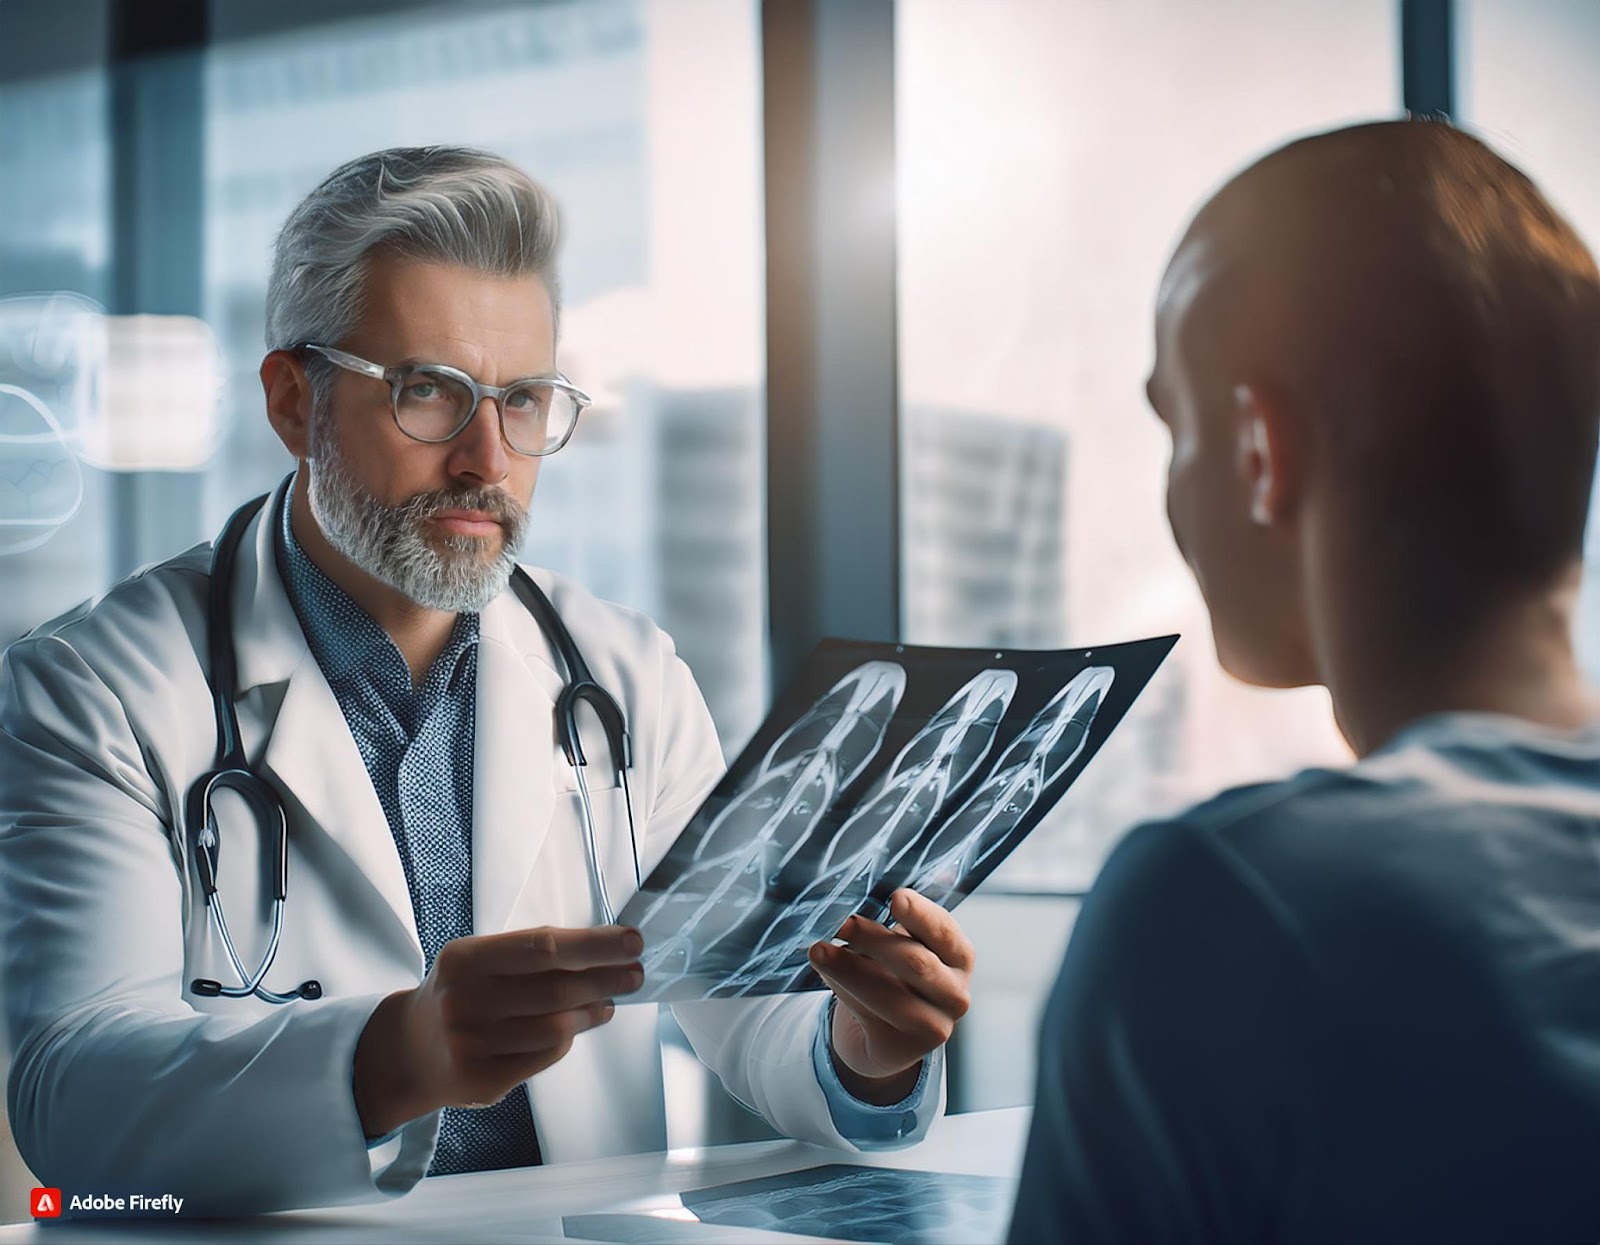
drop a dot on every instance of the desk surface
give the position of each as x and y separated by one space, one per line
528 1204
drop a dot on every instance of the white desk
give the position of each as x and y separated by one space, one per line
528 1204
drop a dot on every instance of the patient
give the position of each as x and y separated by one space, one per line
1361 1004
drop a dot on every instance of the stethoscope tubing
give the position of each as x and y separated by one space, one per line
233 770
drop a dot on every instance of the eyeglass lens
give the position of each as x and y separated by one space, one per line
434 406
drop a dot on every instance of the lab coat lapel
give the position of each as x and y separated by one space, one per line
309 749
314 756
513 753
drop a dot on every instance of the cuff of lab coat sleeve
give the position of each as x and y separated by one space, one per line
398 1159
866 1125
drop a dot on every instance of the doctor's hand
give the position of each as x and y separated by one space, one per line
494 1010
900 992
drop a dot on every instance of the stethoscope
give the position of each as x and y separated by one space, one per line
233 772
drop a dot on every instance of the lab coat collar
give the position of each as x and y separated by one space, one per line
267 641
309 750
513 794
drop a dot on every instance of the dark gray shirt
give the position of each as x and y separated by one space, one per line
1358 1005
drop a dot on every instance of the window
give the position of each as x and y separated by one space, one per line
54 201
1525 76
658 501
1050 156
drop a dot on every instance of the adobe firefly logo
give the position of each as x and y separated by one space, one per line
45 1203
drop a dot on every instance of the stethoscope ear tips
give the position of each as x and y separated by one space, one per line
310 990
205 988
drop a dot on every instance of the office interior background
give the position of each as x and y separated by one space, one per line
863 289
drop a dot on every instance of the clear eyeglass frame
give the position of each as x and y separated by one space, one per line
396 378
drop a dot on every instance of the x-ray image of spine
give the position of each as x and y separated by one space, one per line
930 772
765 823
1035 759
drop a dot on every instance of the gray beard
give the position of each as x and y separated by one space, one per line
388 542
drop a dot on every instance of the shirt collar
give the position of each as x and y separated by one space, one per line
346 640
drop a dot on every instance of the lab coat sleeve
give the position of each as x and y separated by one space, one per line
761 1049
116 1084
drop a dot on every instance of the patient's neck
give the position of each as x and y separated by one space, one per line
1518 662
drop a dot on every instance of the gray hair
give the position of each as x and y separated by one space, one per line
451 205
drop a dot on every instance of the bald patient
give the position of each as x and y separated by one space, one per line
1361 1004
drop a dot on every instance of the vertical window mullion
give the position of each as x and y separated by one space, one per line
832 399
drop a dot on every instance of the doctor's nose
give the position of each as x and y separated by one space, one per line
479 451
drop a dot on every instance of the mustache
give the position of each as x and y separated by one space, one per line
496 503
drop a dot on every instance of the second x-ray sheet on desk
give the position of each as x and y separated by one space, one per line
836 1202
882 766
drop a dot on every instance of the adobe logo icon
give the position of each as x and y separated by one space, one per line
45 1203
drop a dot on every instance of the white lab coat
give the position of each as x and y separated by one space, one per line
122 1078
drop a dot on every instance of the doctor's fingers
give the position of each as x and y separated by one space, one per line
910 962
933 927
532 1040
548 993
881 1001
478 1002
522 951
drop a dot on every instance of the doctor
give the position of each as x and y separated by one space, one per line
449 981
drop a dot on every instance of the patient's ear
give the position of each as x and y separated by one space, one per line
288 393
1267 456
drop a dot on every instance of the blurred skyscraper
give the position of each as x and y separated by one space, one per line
709 548
985 530
679 473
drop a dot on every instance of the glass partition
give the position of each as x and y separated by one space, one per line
1526 84
1050 156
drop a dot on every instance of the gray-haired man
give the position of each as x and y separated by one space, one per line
398 702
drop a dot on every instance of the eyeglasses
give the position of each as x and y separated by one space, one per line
433 403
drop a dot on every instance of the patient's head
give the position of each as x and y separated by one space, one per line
1378 353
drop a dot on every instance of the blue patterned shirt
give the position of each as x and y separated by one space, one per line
416 742
417 745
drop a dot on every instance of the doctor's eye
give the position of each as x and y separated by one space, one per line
422 390
531 399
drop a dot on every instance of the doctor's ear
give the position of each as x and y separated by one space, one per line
1267 454
288 392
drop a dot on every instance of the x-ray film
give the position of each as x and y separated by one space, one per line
882 766
836 1202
